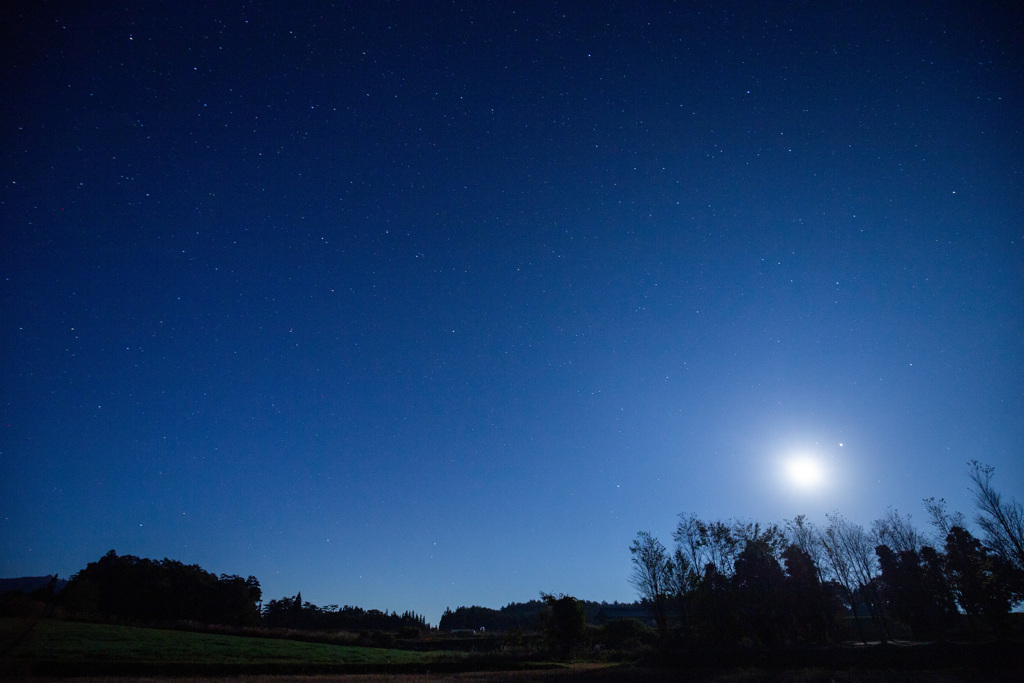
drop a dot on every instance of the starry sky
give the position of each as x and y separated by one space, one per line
410 305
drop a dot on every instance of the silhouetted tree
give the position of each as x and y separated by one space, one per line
914 590
851 559
689 542
624 634
139 589
522 616
805 536
978 579
713 609
806 600
941 519
294 613
652 576
719 543
1003 524
936 584
770 537
726 578
758 579
684 583
896 532
565 623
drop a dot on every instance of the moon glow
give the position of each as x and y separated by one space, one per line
805 472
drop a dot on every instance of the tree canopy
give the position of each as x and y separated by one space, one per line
728 581
144 590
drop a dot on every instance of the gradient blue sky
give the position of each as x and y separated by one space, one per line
410 305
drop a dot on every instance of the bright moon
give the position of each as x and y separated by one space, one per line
805 472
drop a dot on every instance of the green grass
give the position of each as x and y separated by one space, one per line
64 648
72 647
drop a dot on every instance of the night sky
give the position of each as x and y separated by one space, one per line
410 305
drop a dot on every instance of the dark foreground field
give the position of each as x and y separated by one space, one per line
62 648
71 651
582 673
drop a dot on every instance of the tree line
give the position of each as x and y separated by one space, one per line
140 590
294 613
528 616
727 581
724 581
517 615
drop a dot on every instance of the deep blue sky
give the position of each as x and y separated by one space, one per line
415 305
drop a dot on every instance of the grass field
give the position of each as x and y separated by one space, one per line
101 653
64 647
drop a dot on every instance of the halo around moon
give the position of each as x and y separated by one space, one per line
805 472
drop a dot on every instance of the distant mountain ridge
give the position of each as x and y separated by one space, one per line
27 584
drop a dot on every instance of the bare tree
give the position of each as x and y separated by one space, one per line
689 543
896 532
723 546
652 575
1002 521
771 535
850 556
715 543
942 520
685 580
805 536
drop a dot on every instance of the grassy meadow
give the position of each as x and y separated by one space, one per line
66 647
37 650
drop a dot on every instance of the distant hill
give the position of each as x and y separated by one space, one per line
27 584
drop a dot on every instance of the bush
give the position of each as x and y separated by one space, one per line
565 624
624 634
376 639
17 604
